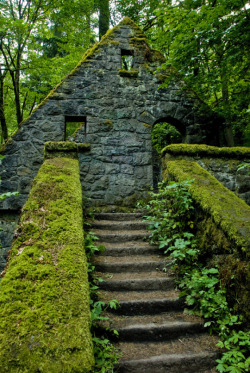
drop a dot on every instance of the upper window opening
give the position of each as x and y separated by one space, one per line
127 59
72 125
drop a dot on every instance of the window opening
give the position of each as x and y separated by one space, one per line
72 125
127 59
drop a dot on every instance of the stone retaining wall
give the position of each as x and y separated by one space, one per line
222 163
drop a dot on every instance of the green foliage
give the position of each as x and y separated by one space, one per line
105 354
164 134
40 42
236 359
170 213
206 42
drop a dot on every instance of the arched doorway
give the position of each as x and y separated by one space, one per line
165 131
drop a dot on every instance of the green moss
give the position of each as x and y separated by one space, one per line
206 150
108 123
228 212
44 294
128 73
53 149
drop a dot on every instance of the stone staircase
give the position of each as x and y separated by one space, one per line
155 334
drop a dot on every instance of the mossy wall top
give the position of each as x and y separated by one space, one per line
228 212
44 294
223 163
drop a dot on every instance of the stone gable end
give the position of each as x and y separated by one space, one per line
116 109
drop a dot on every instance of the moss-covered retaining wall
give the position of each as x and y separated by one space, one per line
222 227
44 293
222 163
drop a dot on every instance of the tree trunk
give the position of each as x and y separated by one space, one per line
104 16
225 96
2 115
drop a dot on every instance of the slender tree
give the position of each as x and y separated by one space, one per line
104 16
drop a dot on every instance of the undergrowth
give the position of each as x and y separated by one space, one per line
170 213
105 353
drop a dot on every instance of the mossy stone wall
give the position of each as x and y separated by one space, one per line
222 227
44 293
222 163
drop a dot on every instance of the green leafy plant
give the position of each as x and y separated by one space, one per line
171 220
235 359
164 134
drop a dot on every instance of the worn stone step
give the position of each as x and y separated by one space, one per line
126 250
143 303
138 284
171 363
119 225
125 266
133 275
137 295
121 236
117 321
158 332
191 344
118 216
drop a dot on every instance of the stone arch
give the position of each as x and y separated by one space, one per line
156 161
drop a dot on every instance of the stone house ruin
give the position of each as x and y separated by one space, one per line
112 99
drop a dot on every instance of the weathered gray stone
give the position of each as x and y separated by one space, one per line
120 112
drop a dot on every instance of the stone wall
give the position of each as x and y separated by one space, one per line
222 163
116 110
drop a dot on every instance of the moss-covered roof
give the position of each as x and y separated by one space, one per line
206 151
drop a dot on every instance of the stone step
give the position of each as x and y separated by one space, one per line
190 344
171 363
118 216
138 284
128 250
158 332
117 321
143 303
119 225
131 275
125 266
122 235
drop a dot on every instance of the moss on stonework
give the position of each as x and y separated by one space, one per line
128 73
228 212
222 229
206 150
44 294
108 123
54 149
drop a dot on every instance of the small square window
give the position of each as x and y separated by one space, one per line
73 124
127 59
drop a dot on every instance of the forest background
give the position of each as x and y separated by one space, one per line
206 41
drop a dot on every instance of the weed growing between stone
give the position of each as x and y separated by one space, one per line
170 213
105 354
7 194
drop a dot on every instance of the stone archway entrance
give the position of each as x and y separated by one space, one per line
165 131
